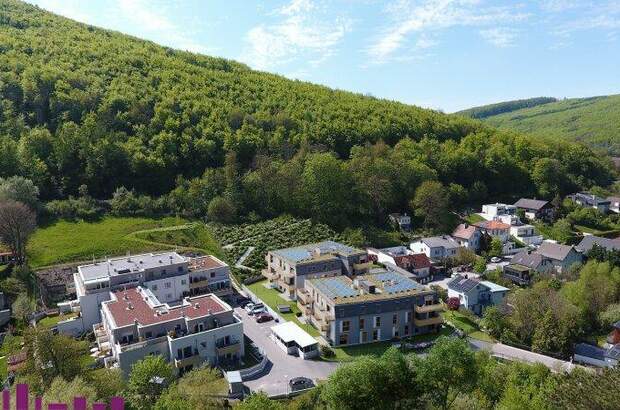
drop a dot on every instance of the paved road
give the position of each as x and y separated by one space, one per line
513 353
284 367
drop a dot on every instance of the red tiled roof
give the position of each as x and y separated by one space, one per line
464 231
205 262
415 261
494 225
130 306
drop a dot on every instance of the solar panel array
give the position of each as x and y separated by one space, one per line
304 252
393 282
336 287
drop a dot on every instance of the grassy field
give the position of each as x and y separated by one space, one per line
51 321
474 218
464 323
272 298
194 236
64 241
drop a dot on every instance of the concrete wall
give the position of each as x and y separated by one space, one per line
72 327
170 289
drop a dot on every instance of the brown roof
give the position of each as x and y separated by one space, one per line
416 261
494 225
464 231
205 262
130 306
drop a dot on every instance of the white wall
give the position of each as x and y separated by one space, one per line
169 289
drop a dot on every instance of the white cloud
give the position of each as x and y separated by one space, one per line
499 36
68 8
407 17
139 12
301 29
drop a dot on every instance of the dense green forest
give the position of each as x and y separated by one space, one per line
490 110
594 121
87 111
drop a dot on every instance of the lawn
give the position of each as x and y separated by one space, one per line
65 241
3 369
272 298
474 218
464 323
51 321
192 236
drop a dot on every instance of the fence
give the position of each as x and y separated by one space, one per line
79 403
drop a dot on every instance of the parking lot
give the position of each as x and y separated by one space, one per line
283 366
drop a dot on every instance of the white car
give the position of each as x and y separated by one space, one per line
495 259
257 308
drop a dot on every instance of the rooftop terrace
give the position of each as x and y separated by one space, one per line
316 251
128 264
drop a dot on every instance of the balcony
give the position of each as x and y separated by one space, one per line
362 266
193 360
269 274
199 283
224 348
304 297
437 320
436 307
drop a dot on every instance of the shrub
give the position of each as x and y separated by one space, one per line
327 351
453 303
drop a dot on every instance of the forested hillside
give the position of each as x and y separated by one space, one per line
86 111
594 121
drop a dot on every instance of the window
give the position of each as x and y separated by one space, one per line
183 282
212 274
375 334
377 321
406 330
345 325
344 339
154 287
407 317
395 319
169 295
167 285
148 335
362 324
180 269
364 337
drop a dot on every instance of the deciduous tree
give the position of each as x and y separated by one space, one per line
17 223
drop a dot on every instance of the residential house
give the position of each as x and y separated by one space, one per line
588 242
614 204
208 274
416 264
536 209
597 356
526 234
288 268
370 308
468 236
589 200
524 265
475 294
201 329
401 221
496 229
492 212
562 256
437 248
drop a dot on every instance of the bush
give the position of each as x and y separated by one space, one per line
80 208
453 303
327 351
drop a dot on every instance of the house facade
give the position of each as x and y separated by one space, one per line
589 200
526 233
524 265
135 324
402 221
496 229
287 269
476 295
417 264
468 236
208 274
437 248
561 256
492 212
370 308
536 209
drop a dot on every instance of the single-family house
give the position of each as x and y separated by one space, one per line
475 294
524 265
492 212
437 248
468 236
597 356
536 208
418 264
402 221
589 200
588 242
496 229
526 233
562 256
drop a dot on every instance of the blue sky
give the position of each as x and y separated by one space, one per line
442 54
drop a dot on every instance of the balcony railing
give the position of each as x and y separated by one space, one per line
187 361
437 320
362 266
436 307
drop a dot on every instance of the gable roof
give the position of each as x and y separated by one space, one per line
440 241
462 284
416 261
464 231
588 242
534 204
528 259
554 250
493 225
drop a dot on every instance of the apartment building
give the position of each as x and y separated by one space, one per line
201 329
208 274
287 269
370 308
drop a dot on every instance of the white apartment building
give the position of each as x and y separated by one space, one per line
201 329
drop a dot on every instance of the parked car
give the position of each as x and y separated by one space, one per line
300 383
257 308
243 302
263 317
495 259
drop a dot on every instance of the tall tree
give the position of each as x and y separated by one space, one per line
147 381
431 204
17 223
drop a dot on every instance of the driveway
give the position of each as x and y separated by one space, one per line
284 367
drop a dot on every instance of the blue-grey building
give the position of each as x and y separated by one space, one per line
369 308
